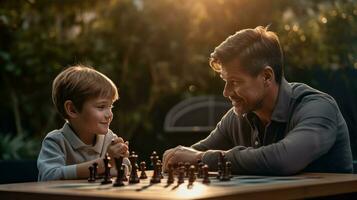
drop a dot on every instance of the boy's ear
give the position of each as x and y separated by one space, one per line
70 109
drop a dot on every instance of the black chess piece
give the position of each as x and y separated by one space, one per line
134 168
156 177
159 170
187 169
91 178
170 178
95 170
119 181
181 176
142 169
205 175
226 172
107 179
200 170
219 170
154 158
191 175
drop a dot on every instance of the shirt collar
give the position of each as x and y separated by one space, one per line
281 110
77 143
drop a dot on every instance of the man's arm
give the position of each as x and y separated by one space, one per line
219 138
313 135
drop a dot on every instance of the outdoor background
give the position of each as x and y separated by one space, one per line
156 52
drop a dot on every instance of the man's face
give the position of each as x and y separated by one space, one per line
245 91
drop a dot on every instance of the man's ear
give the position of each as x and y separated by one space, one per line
70 109
268 75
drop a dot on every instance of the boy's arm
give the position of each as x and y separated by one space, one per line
51 162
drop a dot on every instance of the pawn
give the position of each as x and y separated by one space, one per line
142 169
156 177
205 175
134 168
170 178
91 176
226 172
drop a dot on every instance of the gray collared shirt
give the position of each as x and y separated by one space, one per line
307 132
62 150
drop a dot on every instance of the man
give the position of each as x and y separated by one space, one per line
274 127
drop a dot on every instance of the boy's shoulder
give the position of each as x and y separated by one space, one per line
55 134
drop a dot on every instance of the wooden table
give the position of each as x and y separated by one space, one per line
305 185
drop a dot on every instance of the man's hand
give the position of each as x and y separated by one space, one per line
118 148
181 154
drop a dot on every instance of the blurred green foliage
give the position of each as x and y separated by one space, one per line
18 147
156 52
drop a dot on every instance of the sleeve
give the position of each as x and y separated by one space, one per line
219 138
51 162
313 135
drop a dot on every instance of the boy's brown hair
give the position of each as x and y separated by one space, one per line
80 83
253 48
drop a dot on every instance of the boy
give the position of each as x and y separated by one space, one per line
84 97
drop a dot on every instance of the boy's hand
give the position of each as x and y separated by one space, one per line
118 148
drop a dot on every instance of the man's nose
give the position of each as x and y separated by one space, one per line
226 91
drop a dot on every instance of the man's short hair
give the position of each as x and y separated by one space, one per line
253 48
80 83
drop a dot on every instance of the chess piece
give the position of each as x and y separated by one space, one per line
187 169
91 178
95 170
226 175
154 158
156 177
159 170
192 175
181 176
200 170
107 179
205 175
119 181
170 178
134 168
219 170
142 169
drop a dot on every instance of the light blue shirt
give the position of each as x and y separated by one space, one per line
62 150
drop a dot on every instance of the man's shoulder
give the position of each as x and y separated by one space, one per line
302 92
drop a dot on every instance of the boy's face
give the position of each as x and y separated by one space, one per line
96 115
